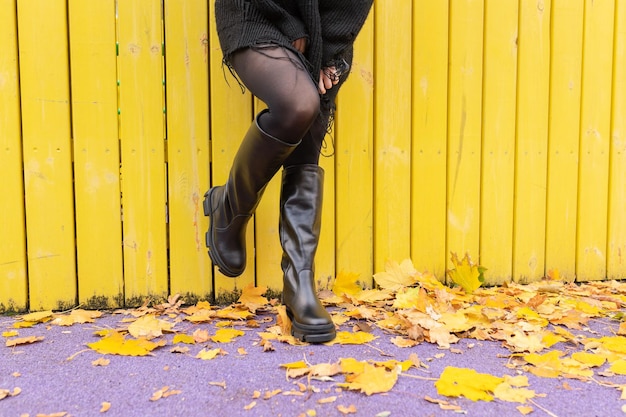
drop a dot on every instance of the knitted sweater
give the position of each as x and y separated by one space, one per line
330 26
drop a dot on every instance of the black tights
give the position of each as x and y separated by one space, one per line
296 112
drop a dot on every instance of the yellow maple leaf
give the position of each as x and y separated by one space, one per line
206 355
184 338
456 382
397 275
547 365
252 297
226 335
37 317
116 344
77 316
589 359
372 380
506 392
351 366
348 338
234 313
466 274
149 327
23 340
294 365
346 283
412 298
10 333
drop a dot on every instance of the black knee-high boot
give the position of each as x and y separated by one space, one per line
231 206
299 228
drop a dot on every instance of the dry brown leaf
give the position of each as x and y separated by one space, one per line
250 406
23 340
347 410
101 362
327 400
252 297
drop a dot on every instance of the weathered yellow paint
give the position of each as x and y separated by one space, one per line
392 130
141 105
532 140
429 135
565 70
354 202
13 289
498 131
231 114
595 127
616 261
325 256
96 152
45 94
187 93
464 127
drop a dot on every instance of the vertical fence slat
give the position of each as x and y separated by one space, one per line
392 127
532 140
498 154
142 135
44 81
565 69
429 133
616 268
187 92
595 120
354 162
96 153
464 126
13 288
231 114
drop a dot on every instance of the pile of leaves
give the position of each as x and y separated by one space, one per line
409 306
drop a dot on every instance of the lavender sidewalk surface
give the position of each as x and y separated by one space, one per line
56 375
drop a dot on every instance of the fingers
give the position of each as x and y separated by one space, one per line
328 78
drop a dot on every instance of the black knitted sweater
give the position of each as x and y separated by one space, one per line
330 26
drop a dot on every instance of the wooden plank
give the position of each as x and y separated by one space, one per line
13 285
563 134
429 136
595 124
44 82
464 127
498 153
96 153
231 114
532 141
616 260
392 132
187 93
325 256
354 130
142 149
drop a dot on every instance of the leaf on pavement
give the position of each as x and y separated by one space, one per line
37 317
466 274
372 380
349 338
23 340
117 344
226 335
456 382
5 393
206 355
77 316
183 338
149 327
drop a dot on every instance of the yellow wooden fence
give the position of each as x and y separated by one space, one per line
490 127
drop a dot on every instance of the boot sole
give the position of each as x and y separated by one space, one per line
208 238
311 334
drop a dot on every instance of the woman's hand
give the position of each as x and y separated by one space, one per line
328 78
299 44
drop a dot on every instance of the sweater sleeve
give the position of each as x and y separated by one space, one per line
290 26
341 23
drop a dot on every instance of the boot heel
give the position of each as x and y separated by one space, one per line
206 203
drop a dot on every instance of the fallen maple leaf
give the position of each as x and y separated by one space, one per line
210 354
106 406
117 344
76 316
397 275
4 393
183 338
348 338
456 382
23 340
466 274
347 410
371 380
346 283
226 335
149 327
252 297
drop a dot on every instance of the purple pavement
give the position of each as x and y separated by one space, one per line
225 386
